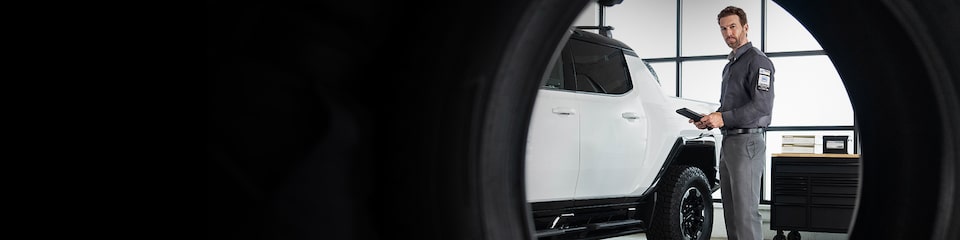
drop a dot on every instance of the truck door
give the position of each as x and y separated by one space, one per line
553 149
613 124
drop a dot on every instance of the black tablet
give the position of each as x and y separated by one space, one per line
690 114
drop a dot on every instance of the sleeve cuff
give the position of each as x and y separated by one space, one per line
727 118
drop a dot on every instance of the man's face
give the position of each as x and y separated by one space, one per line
734 34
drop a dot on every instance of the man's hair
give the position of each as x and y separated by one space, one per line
731 10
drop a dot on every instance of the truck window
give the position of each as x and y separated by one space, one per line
599 68
555 79
561 75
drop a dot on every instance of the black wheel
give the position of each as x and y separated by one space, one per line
684 206
793 235
779 236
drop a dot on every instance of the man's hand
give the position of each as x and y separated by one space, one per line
700 124
712 120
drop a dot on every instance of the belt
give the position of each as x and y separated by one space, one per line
736 131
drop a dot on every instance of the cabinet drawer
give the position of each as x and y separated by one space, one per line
787 216
790 180
834 189
843 201
818 168
790 185
788 198
829 218
781 189
835 180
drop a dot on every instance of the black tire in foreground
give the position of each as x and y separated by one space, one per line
684 206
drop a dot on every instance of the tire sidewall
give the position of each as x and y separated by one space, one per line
680 179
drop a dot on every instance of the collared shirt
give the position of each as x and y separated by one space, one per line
746 94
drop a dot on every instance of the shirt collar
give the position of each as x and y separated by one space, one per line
740 51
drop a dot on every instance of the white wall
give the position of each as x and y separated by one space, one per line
588 17
647 26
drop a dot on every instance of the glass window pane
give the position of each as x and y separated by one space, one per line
701 79
809 93
701 33
667 73
599 66
555 76
649 27
785 33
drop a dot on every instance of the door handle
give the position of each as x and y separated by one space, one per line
630 115
564 111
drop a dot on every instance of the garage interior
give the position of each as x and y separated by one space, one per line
680 40
298 149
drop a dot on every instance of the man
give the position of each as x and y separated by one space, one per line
746 101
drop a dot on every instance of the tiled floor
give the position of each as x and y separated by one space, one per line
719 231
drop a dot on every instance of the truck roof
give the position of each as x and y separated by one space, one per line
597 38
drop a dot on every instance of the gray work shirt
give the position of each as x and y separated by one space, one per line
746 94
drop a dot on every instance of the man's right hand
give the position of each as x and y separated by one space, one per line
699 125
712 120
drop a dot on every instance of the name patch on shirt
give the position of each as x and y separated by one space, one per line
763 83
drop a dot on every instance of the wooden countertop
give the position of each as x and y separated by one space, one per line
812 155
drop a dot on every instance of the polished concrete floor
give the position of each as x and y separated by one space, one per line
719 231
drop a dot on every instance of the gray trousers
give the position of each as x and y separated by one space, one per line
741 169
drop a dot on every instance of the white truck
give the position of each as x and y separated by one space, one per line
607 154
